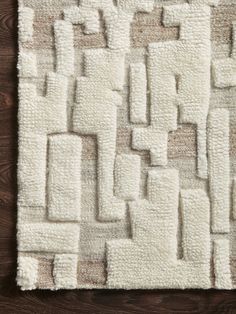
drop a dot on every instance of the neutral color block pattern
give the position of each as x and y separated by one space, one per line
127 154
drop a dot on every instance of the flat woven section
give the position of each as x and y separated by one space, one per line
127 144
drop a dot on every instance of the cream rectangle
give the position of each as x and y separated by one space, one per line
222 264
27 272
65 271
219 169
32 170
48 237
196 225
64 42
127 176
26 18
138 93
64 178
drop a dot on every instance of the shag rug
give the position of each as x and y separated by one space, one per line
127 144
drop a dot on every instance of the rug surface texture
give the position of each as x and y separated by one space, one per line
127 144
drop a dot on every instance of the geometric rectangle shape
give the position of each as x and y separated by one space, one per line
126 168
32 170
225 72
196 227
64 42
65 271
48 237
63 186
27 64
127 176
219 169
222 264
138 90
27 272
26 18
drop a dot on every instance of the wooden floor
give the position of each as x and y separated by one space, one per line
14 301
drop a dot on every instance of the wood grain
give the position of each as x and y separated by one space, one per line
12 300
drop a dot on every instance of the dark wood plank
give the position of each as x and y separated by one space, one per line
14 301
